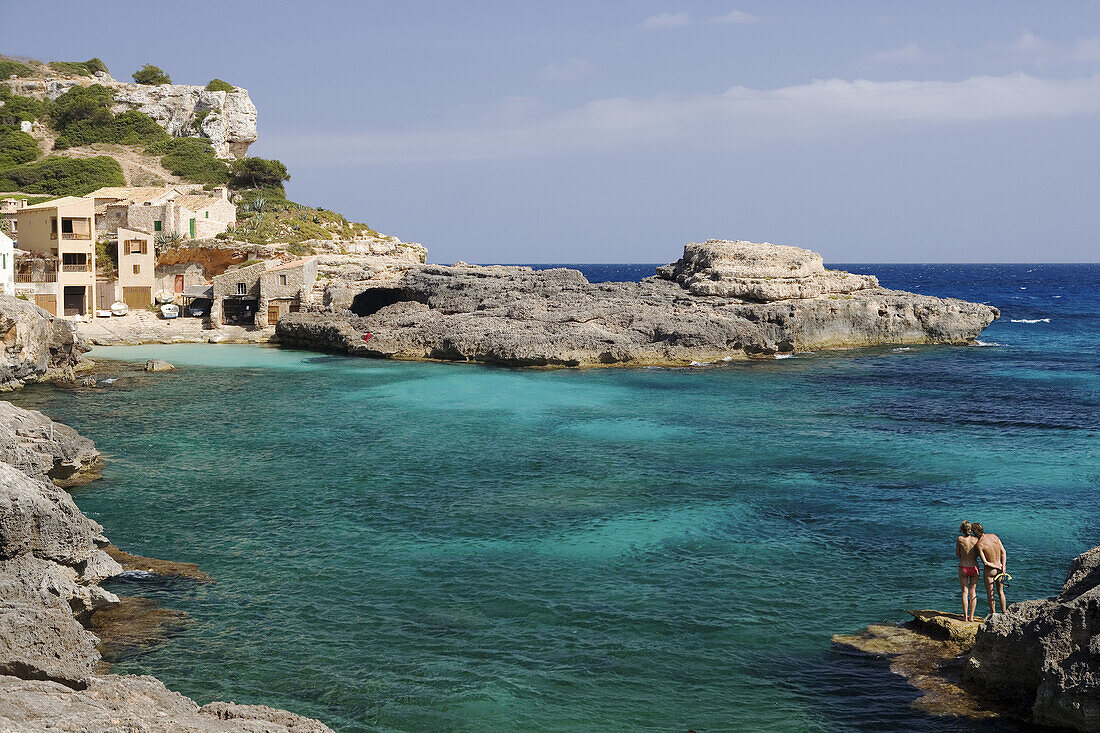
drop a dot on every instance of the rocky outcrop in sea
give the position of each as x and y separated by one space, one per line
52 561
723 300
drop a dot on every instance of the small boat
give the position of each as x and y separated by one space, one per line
118 308
164 296
103 313
170 310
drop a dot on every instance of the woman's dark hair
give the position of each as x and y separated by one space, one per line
977 529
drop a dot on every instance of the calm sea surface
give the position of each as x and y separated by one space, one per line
447 547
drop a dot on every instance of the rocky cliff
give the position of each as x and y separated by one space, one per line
227 119
35 343
1044 655
722 300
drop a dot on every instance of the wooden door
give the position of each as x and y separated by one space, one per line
274 311
47 301
137 297
179 283
104 294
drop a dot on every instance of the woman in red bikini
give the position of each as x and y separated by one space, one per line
966 549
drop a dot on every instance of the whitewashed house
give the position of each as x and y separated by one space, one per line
7 265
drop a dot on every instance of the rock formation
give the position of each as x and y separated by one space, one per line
1044 655
34 343
227 119
43 449
723 300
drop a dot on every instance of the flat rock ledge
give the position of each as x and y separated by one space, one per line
1039 662
722 301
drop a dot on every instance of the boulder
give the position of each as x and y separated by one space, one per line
1044 655
44 449
34 343
158 365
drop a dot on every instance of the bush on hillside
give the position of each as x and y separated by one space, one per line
192 158
83 116
16 147
21 108
218 85
80 68
11 67
57 176
153 75
258 173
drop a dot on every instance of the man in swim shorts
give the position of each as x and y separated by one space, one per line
995 559
966 549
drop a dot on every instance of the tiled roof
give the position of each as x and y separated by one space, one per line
133 194
63 201
197 201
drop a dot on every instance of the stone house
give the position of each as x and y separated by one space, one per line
185 210
58 267
136 265
7 265
270 289
8 209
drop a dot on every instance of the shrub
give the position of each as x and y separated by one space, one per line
57 176
80 68
16 148
62 143
218 85
21 108
152 75
83 116
258 173
106 256
193 158
81 104
201 115
11 67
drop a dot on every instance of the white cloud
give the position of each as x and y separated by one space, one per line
1029 43
665 20
737 119
910 53
735 17
568 70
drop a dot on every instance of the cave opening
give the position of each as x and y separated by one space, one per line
373 300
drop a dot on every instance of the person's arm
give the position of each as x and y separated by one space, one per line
1004 557
985 558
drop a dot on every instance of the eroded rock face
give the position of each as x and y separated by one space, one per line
44 449
520 317
759 272
1044 655
227 119
34 343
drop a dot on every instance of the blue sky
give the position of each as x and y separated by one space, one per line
564 131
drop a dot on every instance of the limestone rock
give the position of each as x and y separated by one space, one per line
44 449
39 519
517 316
1044 655
758 272
34 343
158 365
950 626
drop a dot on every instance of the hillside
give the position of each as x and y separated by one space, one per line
68 128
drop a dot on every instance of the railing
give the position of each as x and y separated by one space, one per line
71 235
82 267
48 276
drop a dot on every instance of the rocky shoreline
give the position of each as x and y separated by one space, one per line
52 561
722 301
1038 663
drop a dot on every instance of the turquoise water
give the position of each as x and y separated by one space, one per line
449 547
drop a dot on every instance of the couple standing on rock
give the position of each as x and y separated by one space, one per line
974 542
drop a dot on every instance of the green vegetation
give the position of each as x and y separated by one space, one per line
265 216
80 68
218 85
152 75
106 256
23 108
201 115
83 116
193 158
11 67
16 147
63 176
258 173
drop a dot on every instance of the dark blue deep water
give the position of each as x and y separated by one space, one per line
446 547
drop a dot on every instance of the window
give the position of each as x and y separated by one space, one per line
135 247
208 215
156 225
137 269
241 289
192 229
282 279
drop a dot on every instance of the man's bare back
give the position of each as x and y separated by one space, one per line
992 551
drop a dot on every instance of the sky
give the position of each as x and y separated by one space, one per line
572 132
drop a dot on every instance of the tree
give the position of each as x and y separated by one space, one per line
219 85
150 74
257 173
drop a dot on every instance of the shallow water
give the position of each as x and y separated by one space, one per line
451 547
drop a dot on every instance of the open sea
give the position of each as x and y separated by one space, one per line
441 547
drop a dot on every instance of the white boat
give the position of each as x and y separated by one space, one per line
170 310
164 296
118 308
103 313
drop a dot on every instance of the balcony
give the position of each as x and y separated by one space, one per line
72 235
47 276
76 267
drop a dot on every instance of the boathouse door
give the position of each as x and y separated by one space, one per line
179 283
47 301
74 300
